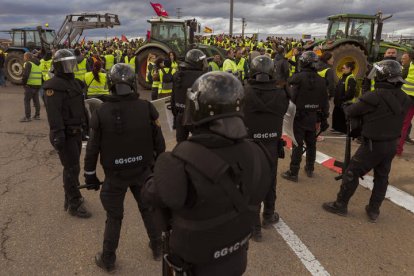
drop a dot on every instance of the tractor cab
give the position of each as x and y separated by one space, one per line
177 34
356 27
31 38
171 32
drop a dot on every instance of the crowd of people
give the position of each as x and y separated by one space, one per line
206 193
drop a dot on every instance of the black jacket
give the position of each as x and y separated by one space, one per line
64 104
194 193
281 68
382 112
265 105
95 143
329 77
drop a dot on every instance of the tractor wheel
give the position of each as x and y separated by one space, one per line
14 67
346 53
142 61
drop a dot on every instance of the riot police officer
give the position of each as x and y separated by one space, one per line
66 115
125 133
192 68
309 95
382 115
212 183
265 105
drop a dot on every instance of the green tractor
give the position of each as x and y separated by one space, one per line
351 37
170 35
24 40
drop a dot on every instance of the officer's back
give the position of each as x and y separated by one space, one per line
213 183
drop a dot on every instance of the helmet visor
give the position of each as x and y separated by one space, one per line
68 64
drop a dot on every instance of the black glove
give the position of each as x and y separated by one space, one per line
324 125
58 142
92 182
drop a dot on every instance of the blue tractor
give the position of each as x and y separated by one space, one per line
29 39
24 40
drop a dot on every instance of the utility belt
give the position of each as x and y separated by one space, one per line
73 130
370 142
175 266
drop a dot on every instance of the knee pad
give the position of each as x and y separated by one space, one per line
349 176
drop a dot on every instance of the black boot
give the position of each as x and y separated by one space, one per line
79 211
290 176
372 213
257 234
268 222
156 247
336 207
309 170
99 260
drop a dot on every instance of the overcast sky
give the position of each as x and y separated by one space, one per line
264 16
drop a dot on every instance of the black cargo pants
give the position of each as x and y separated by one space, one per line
379 158
69 157
112 196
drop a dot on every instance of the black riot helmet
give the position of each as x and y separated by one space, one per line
195 58
387 71
121 80
262 69
308 59
215 95
64 62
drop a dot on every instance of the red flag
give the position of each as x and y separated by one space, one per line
159 10
124 38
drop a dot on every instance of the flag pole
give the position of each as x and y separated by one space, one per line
231 17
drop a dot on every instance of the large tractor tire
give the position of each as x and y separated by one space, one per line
14 67
349 52
142 61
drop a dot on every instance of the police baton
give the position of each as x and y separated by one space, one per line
88 185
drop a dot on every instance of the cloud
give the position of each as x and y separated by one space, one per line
265 16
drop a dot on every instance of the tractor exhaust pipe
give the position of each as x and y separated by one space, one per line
380 24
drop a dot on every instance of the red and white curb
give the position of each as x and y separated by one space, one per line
394 194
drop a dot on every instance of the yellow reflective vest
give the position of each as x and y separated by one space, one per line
35 76
408 87
240 68
165 88
96 88
80 73
109 62
45 66
230 66
147 71
130 62
346 88
292 68
174 65
214 66
322 73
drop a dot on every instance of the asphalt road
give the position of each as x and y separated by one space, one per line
38 238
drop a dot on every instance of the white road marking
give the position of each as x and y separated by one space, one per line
300 249
394 194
